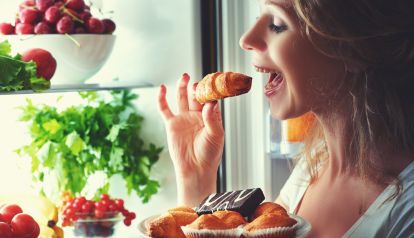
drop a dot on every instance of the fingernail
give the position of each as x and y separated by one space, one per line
185 76
216 107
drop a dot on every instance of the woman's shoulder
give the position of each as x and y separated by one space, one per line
296 185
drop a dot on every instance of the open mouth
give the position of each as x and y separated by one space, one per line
274 82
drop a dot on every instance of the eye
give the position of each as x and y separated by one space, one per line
276 24
277 28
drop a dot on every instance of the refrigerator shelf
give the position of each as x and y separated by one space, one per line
83 87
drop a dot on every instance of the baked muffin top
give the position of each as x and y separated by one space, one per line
183 218
270 220
164 226
230 218
182 209
268 207
208 221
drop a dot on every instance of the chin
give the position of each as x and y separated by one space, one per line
280 113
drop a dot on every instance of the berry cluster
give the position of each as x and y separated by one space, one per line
56 16
80 208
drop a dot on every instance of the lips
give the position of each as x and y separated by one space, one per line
274 83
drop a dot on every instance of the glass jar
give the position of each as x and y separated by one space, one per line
97 227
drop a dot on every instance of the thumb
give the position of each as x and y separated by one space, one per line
212 119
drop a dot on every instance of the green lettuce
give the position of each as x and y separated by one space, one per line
16 74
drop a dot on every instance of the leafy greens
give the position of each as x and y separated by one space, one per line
101 136
16 74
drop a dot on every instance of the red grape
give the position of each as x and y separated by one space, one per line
23 225
120 204
42 28
6 28
95 26
132 215
43 5
9 211
29 15
27 4
65 25
85 15
109 26
72 14
52 14
77 5
105 197
99 213
125 213
5 230
127 222
46 63
87 207
59 4
80 30
24 29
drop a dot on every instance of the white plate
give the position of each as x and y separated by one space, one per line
304 227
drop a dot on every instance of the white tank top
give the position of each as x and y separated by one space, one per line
391 219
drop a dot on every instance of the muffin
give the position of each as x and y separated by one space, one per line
164 227
169 224
182 209
230 218
183 218
271 225
268 207
210 226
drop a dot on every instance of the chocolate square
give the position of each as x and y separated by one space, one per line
242 201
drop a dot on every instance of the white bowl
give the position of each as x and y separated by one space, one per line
78 56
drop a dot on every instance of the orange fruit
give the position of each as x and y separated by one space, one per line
298 127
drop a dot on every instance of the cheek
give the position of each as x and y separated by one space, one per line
290 56
309 74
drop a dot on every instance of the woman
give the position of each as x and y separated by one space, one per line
351 63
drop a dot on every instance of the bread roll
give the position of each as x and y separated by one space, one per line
220 85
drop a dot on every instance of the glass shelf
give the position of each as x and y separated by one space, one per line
83 87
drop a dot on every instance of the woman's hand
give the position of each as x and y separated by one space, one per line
195 142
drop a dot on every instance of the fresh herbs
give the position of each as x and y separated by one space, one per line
100 136
18 75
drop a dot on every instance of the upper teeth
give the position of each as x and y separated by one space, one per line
263 70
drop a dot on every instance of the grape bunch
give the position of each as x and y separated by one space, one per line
80 209
56 17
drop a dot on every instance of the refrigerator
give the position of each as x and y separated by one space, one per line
156 42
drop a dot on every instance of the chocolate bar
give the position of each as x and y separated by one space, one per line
242 201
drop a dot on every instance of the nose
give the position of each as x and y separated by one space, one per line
254 38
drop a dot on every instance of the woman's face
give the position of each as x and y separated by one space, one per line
301 78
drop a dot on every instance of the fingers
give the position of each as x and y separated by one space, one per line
194 105
212 119
182 94
163 106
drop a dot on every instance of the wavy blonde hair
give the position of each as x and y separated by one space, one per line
375 41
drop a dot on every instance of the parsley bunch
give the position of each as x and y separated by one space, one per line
100 136
16 74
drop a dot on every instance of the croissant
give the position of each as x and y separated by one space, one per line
220 85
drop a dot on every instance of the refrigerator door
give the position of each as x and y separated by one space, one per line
247 121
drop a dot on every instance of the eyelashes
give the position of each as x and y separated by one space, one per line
275 25
277 28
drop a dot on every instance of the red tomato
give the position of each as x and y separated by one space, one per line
9 211
24 226
5 231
